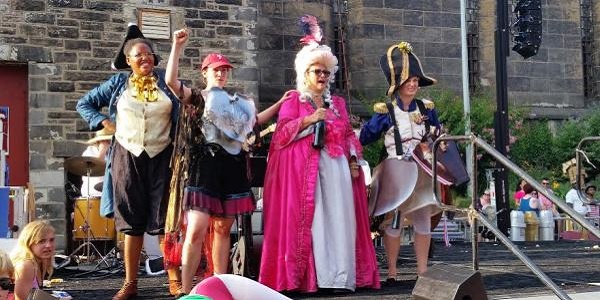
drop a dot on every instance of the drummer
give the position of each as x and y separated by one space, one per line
415 119
97 147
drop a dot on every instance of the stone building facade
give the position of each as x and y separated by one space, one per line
66 47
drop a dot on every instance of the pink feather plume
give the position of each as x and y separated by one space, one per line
311 29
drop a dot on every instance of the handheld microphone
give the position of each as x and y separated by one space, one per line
319 141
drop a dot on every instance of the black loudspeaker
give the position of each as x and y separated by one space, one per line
528 27
442 282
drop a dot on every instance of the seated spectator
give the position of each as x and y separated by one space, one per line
545 202
519 193
530 201
577 200
33 257
7 270
593 213
489 212
590 193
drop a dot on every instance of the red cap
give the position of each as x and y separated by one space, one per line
215 60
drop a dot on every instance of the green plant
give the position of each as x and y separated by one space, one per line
372 153
534 149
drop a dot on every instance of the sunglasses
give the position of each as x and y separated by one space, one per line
544 183
320 72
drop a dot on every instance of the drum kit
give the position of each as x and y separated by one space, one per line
89 225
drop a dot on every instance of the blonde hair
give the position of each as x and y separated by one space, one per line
33 233
6 266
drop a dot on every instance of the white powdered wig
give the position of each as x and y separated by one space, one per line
309 55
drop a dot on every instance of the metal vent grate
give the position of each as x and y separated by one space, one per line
155 24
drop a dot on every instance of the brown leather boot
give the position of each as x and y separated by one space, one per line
127 291
176 288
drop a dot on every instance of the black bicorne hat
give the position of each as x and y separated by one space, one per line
399 64
133 32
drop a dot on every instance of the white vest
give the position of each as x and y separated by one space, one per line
144 125
410 132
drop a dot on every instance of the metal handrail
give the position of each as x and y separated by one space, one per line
476 215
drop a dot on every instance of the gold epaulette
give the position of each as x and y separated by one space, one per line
380 108
428 104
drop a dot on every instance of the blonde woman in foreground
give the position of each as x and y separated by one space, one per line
32 257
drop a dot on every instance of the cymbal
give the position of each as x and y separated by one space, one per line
81 165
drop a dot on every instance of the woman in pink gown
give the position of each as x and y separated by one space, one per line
315 207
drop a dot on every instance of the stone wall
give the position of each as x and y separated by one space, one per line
596 47
278 41
552 78
432 27
551 82
69 46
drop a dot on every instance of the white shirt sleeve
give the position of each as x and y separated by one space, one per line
578 204
571 196
581 208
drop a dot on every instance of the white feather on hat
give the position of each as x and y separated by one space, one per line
312 52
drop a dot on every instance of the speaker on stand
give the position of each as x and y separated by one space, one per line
444 282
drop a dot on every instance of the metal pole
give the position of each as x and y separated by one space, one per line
465 87
501 117
474 227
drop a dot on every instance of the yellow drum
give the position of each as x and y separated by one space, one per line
531 226
87 219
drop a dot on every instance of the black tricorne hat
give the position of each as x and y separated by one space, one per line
133 32
399 64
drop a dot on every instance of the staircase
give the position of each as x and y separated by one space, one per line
456 230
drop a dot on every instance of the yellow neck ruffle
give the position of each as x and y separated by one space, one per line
144 88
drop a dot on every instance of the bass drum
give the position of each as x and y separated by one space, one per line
393 182
89 223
